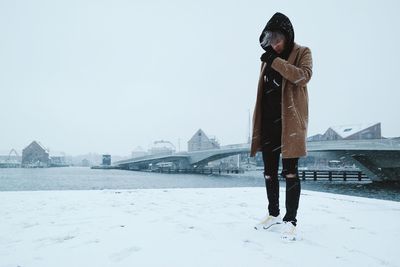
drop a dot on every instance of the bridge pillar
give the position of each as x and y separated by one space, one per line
377 165
374 172
183 164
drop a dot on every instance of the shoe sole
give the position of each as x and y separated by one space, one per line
271 225
263 227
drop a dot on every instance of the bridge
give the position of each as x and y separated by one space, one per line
378 158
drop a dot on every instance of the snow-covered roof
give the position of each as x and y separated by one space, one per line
37 144
350 129
197 133
42 146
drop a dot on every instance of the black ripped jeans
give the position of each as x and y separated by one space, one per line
272 131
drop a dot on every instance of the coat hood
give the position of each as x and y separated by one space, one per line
279 22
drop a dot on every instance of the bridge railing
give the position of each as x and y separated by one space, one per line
201 170
331 175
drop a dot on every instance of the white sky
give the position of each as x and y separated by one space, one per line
106 76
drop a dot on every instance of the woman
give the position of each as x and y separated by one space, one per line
280 118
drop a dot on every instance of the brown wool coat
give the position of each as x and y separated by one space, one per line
296 72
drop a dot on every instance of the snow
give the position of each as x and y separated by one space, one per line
191 227
350 129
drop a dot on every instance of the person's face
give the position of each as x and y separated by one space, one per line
275 39
279 46
278 42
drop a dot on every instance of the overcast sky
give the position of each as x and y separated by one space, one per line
107 76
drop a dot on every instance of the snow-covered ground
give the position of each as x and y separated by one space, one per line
191 227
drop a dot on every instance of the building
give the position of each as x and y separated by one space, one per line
359 131
200 141
58 159
162 147
35 155
106 160
350 132
138 152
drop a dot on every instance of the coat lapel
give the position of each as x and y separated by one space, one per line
291 59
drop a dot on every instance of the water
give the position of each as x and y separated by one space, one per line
80 178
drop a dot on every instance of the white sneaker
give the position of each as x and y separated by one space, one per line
268 221
289 231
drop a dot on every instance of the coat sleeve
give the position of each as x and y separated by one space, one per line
299 75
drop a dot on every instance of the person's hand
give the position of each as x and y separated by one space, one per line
269 55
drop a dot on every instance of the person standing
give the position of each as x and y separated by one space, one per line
280 118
